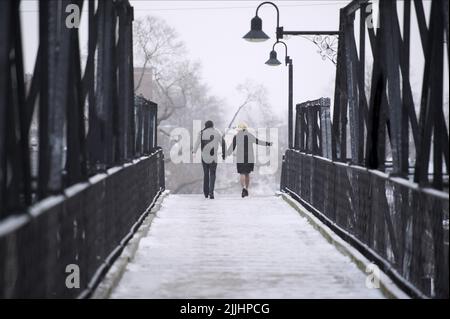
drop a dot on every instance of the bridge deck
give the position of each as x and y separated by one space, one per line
258 247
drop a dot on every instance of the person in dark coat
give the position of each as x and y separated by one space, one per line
244 141
210 139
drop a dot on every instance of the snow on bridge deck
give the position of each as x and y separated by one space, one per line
257 247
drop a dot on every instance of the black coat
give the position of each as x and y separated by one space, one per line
210 140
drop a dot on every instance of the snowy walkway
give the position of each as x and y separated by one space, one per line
258 247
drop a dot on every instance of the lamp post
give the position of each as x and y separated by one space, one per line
256 34
273 61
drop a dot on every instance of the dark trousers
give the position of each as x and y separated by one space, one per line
209 178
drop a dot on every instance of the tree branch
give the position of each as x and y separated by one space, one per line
247 100
144 67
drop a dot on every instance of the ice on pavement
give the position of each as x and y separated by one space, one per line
229 247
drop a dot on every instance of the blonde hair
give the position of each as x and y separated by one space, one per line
242 126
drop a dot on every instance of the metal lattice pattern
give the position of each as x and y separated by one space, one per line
85 226
78 195
313 127
400 226
395 214
388 113
69 148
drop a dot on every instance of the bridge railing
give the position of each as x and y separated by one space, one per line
68 123
86 227
375 117
313 127
79 162
366 190
403 228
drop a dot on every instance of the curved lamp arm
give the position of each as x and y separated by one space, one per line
273 4
287 59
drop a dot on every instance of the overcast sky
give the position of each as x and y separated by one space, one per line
213 30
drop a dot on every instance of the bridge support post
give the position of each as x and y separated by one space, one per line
5 33
325 127
291 108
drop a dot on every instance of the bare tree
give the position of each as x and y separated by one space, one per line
177 89
256 110
155 43
252 93
182 97
255 106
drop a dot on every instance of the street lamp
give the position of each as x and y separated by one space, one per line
273 61
256 34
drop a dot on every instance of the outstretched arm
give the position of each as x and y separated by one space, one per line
224 147
260 142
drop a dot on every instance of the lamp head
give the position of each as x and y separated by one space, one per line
256 34
273 61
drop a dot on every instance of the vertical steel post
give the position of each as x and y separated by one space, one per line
391 53
4 66
20 97
122 130
290 106
325 127
44 158
130 79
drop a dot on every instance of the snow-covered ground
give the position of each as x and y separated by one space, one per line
257 247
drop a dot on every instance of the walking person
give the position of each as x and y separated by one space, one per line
244 141
209 139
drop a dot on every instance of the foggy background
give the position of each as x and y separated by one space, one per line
190 58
